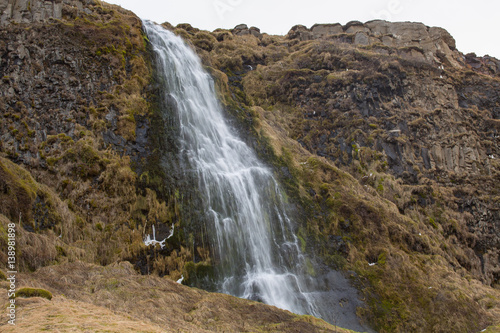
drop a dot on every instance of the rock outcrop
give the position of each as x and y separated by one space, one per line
407 39
25 11
242 30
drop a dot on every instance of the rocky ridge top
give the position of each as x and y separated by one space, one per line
429 43
24 11
410 40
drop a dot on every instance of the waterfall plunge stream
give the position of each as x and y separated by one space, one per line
258 255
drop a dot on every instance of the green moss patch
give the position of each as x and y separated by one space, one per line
34 292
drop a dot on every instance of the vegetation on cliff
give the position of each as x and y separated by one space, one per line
83 179
77 115
387 157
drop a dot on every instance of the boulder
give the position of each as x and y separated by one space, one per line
437 34
323 30
352 24
300 32
378 27
241 27
361 39
255 32
241 30
408 33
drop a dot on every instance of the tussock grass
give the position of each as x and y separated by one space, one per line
82 199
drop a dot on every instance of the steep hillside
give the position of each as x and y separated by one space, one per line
78 123
383 135
80 177
387 137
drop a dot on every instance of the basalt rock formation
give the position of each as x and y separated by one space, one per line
24 11
439 126
414 40
384 136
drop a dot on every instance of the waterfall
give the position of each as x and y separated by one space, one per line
258 256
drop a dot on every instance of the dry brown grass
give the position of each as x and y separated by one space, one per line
417 280
116 295
412 269
92 202
65 315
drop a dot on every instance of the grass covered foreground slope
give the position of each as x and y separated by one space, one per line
81 177
387 138
116 298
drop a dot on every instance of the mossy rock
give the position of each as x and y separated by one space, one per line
34 292
200 275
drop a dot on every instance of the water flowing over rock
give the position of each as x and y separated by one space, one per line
258 255
387 151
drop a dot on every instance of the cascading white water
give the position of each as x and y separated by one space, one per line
258 255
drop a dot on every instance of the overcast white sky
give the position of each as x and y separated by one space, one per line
474 24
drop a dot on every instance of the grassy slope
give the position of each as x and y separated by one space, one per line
107 298
64 315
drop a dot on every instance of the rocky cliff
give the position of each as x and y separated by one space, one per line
387 136
437 125
70 89
383 135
